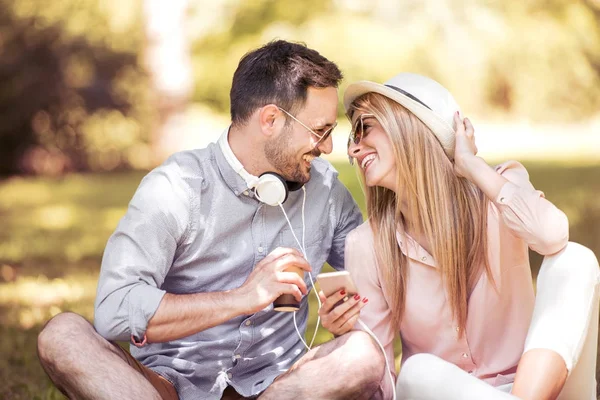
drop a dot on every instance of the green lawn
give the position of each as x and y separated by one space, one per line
54 231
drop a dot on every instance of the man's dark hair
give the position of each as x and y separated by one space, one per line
279 73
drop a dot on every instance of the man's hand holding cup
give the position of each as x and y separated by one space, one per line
278 278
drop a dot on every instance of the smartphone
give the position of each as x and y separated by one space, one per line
331 282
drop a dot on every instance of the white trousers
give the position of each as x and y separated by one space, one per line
565 320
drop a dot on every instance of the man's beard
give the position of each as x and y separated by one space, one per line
280 155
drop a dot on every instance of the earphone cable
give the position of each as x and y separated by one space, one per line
302 248
387 364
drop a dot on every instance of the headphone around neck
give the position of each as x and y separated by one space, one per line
270 187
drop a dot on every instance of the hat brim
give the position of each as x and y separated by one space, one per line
441 129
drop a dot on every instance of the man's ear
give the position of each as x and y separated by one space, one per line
268 119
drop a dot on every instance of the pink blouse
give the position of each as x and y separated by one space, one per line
497 321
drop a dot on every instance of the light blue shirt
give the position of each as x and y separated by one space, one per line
193 226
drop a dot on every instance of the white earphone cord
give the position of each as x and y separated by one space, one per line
302 248
362 324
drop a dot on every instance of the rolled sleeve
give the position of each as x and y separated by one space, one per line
143 303
139 255
528 214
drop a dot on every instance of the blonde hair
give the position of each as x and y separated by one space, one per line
448 210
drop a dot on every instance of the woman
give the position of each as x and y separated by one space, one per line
443 258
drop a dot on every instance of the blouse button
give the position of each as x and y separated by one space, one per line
501 199
464 355
248 323
424 259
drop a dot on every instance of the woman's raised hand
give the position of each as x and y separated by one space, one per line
464 148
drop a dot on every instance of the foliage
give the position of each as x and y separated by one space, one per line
55 231
74 95
72 92
535 60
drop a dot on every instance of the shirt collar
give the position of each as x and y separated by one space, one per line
233 179
412 249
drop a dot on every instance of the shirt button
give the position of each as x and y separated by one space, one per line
246 192
229 375
237 356
248 323
260 249
464 355
501 199
424 259
457 329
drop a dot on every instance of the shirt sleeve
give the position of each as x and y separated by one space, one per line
348 217
140 253
362 265
527 213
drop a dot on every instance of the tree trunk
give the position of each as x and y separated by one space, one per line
167 58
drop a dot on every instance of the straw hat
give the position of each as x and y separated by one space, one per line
425 98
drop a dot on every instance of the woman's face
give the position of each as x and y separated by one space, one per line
371 148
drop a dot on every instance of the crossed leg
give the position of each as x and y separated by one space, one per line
84 365
348 367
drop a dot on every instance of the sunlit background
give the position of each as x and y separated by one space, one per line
94 93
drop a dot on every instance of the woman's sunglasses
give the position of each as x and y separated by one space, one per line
358 132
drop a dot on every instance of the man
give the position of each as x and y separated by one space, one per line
192 270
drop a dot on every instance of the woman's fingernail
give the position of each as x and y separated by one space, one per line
365 300
342 292
356 297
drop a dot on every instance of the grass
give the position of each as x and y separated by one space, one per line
54 231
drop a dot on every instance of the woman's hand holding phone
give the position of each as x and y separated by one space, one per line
340 309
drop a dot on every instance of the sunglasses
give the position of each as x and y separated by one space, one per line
321 137
358 132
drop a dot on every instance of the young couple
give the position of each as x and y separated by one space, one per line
211 237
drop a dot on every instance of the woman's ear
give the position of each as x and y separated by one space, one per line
268 119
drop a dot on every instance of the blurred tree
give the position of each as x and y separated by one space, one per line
547 65
536 60
74 94
216 54
68 100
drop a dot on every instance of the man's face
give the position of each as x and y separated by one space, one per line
293 149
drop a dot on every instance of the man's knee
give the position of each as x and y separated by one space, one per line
61 333
363 360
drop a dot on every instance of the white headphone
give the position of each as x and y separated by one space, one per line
270 187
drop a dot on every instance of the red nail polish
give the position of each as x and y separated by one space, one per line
356 297
365 300
342 292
